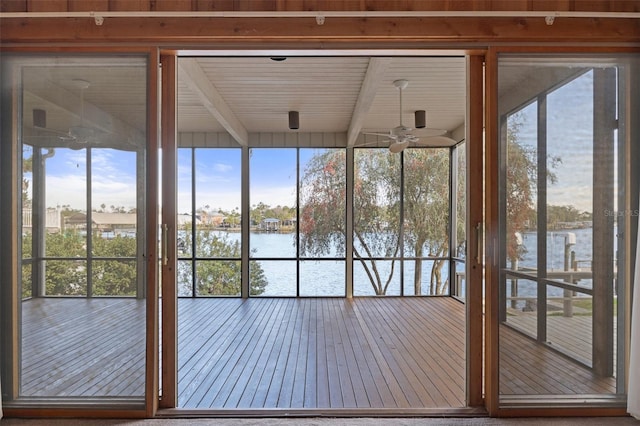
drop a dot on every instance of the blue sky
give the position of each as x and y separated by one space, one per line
113 180
569 137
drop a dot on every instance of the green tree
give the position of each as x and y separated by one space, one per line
376 211
214 274
426 212
521 186
64 277
111 277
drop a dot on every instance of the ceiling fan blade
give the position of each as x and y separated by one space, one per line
437 141
397 147
375 143
377 134
428 132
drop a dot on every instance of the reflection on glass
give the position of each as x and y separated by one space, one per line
460 281
114 277
66 277
185 278
83 181
565 241
522 305
461 201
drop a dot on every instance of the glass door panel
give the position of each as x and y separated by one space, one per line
81 129
563 287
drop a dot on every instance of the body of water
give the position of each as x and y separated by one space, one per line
581 251
275 253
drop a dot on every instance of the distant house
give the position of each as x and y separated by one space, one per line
52 220
186 219
270 224
290 222
111 224
213 219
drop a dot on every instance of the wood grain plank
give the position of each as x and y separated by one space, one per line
129 5
13 6
403 355
253 361
539 370
277 379
91 346
47 5
88 5
335 390
347 389
354 329
311 370
374 382
322 369
171 5
228 388
248 6
258 385
300 366
285 395
220 354
554 5
214 5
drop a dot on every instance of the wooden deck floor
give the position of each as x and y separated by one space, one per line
528 368
83 347
282 353
571 335
321 353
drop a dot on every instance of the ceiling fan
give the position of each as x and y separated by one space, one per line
402 136
77 137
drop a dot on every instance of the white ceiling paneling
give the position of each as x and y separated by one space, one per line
325 91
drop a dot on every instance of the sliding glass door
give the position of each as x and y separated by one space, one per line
74 150
567 225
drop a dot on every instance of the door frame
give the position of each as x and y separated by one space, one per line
474 375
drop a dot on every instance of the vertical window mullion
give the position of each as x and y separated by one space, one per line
297 218
193 223
401 230
349 193
89 225
542 217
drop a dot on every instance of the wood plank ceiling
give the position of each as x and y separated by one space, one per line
331 94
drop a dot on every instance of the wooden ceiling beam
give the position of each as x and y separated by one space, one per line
196 79
373 77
